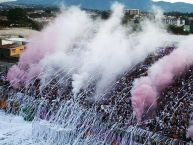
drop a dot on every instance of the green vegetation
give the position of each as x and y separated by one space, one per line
17 17
178 14
20 17
191 29
180 30
177 30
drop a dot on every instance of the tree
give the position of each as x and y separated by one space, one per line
177 30
16 15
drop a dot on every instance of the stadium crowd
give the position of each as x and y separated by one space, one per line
171 117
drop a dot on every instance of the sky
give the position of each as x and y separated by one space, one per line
1 1
187 1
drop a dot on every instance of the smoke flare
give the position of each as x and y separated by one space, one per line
87 50
160 75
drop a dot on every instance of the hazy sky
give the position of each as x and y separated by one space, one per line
187 1
1 1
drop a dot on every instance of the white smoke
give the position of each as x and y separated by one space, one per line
100 50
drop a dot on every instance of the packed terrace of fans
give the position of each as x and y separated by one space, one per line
171 118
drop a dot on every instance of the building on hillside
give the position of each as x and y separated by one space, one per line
188 25
11 50
132 11
171 20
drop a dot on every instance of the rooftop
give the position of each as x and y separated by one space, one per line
9 46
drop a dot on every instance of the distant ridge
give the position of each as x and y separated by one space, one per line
144 5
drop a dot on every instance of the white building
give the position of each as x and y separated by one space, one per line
132 11
170 20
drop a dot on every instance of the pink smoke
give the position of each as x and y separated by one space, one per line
190 132
40 45
163 71
160 75
143 96
59 34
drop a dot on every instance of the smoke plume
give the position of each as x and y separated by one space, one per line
161 74
87 50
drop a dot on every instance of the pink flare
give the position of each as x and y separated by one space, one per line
168 67
28 66
163 79
143 96
34 72
16 76
160 75
46 42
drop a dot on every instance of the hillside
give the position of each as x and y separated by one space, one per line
143 5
